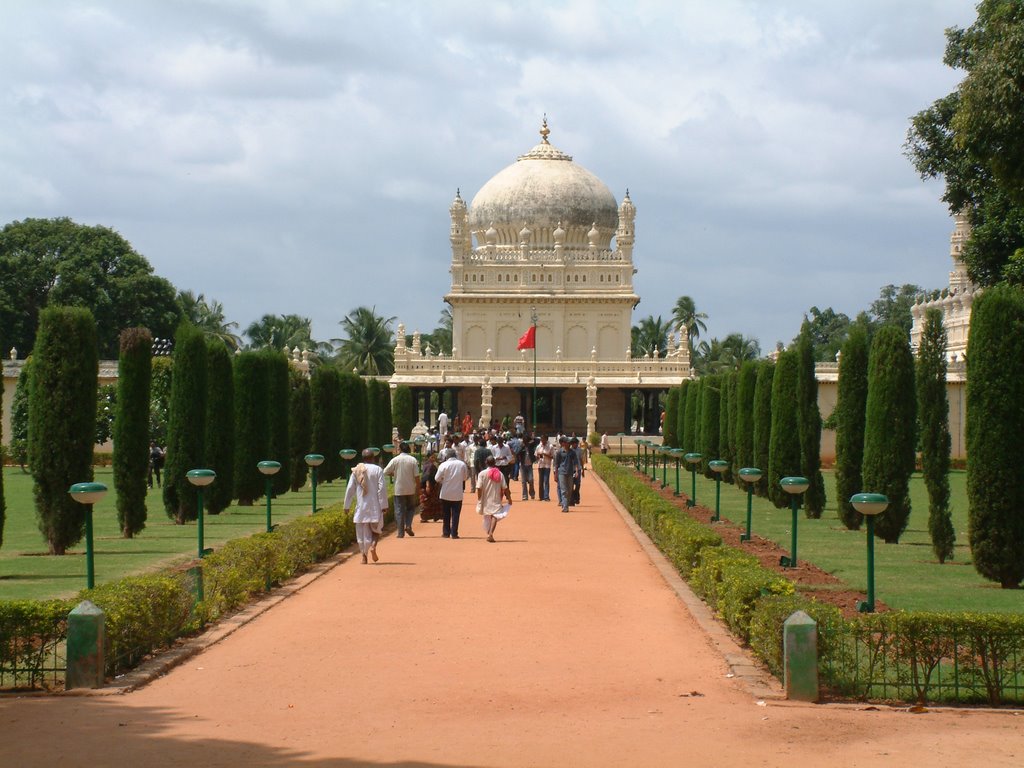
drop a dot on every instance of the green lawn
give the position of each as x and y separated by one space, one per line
907 575
26 571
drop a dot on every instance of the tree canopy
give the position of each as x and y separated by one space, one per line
368 346
973 138
48 262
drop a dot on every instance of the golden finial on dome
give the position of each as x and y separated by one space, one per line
544 130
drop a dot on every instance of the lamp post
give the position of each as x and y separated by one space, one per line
869 505
677 454
637 443
269 468
88 494
620 436
200 478
655 451
665 453
314 460
391 449
794 486
718 466
693 459
749 475
419 440
347 454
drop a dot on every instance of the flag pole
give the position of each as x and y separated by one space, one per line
533 317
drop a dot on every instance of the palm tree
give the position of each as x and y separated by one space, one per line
685 315
651 335
208 316
728 354
369 348
282 332
439 339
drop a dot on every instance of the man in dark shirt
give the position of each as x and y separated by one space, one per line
567 468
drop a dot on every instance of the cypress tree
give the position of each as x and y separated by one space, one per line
252 425
300 425
325 393
669 435
698 420
995 435
762 426
933 416
19 416
219 448
850 415
809 421
278 400
131 429
402 412
889 428
724 443
690 417
160 398
186 425
681 414
353 403
385 412
373 425
709 413
733 378
62 420
746 383
784 443
3 500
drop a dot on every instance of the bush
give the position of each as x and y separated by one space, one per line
30 631
809 421
769 616
681 415
746 384
300 425
278 397
690 431
252 428
325 393
131 429
62 420
669 434
710 402
353 407
160 398
19 417
402 417
762 427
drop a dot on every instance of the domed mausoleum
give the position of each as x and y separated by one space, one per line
543 242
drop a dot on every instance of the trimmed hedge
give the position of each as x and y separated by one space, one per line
898 655
147 613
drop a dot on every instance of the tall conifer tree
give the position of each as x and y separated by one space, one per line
300 425
850 414
711 400
890 428
784 445
746 384
325 393
186 426
933 416
762 427
669 436
131 429
252 427
995 435
809 420
219 450
279 403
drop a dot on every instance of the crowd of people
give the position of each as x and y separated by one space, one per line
490 460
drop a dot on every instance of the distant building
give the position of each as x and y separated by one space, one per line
543 241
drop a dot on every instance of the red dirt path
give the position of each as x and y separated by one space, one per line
560 645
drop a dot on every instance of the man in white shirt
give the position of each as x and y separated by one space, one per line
451 476
543 454
503 458
406 471
369 490
442 423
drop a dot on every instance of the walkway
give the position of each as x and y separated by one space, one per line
559 645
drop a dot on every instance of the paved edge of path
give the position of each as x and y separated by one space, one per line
759 682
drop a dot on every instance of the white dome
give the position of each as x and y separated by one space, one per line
541 190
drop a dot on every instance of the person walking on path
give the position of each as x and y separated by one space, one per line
406 471
581 455
604 442
566 464
503 458
467 424
451 476
156 463
369 490
490 488
542 456
430 500
525 459
442 424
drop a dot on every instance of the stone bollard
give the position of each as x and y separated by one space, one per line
86 645
800 649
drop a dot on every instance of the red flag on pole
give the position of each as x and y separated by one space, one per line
529 339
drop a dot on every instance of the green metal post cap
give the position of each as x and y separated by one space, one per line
87 493
677 452
750 474
692 458
200 477
420 439
718 465
794 484
269 467
389 447
621 434
870 503
347 453
314 459
374 450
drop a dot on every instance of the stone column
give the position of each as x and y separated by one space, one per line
485 400
591 407
86 647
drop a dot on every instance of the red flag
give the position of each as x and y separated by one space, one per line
529 339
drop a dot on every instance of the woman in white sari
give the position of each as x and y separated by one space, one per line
491 486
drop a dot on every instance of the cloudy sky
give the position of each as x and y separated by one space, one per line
299 156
